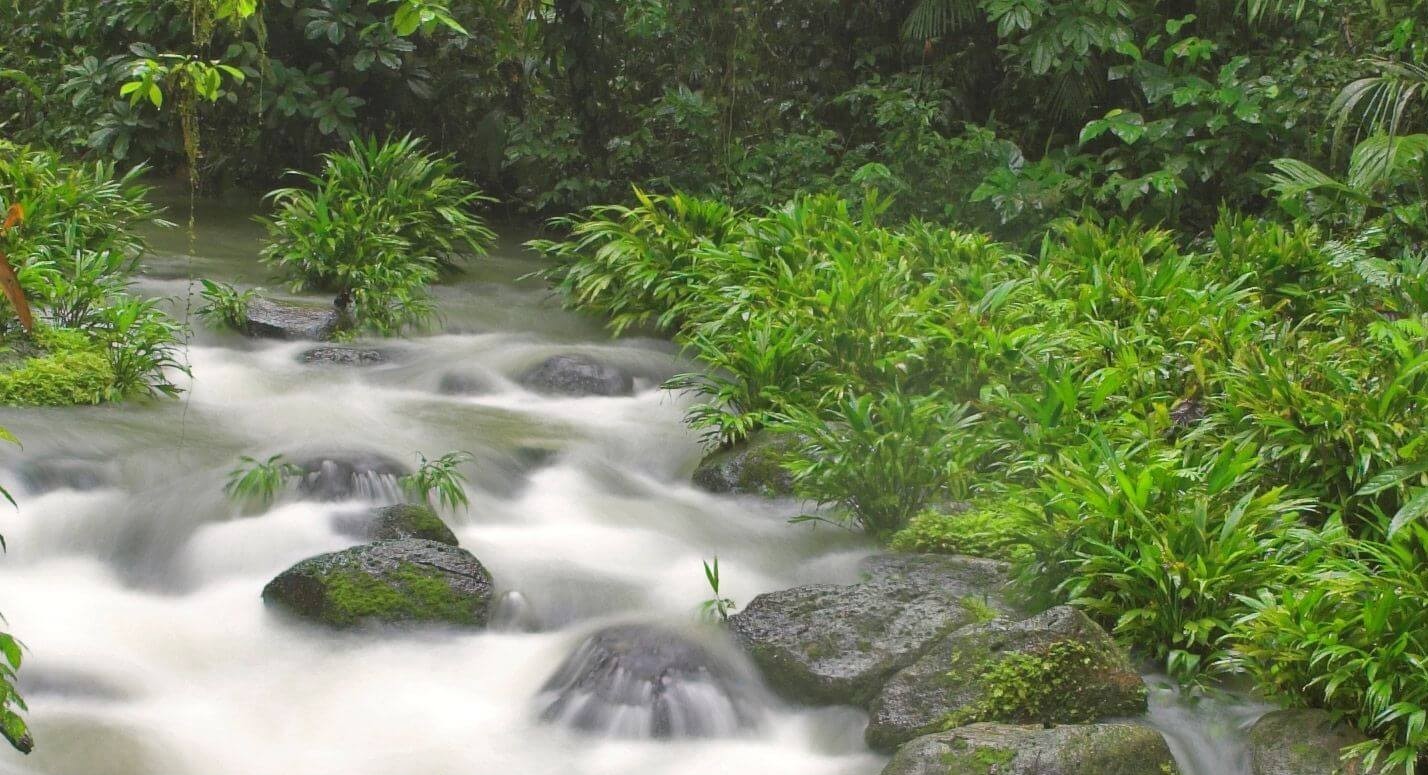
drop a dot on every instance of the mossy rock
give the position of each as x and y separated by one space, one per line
836 645
394 523
405 582
1302 742
998 749
992 528
1056 668
57 367
752 467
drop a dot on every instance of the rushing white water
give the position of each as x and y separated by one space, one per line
136 587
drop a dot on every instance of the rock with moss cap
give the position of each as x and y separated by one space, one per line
1055 668
404 582
1302 742
394 523
832 644
998 749
752 467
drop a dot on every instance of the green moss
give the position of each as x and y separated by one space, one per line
991 528
966 759
1056 683
981 611
59 367
411 521
406 593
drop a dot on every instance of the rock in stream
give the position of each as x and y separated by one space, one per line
999 749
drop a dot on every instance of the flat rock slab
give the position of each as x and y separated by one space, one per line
404 582
1302 742
343 356
830 644
1055 668
997 749
577 375
268 319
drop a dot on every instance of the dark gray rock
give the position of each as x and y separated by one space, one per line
1056 668
996 749
343 356
647 682
1302 742
50 474
394 523
465 383
752 467
386 583
268 319
341 476
830 644
577 375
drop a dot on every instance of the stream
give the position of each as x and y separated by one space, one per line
135 583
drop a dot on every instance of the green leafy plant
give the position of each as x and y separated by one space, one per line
440 480
257 483
12 724
225 306
717 607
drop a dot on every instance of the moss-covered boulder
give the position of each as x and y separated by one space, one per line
997 749
55 367
577 375
404 582
394 523
1302 742
269 319
1056 668
752 467
831 644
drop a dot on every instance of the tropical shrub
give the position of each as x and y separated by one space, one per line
439 480
257 483
377 227
225 306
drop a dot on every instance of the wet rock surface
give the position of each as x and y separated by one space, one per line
641 681
831 644
753 467
269 319
1302 742
404 582
998 749
1055 668
577 375
393 523
343 356
465 383
344 475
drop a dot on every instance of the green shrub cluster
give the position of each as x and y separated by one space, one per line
377 226
74 252
994 527
1187 427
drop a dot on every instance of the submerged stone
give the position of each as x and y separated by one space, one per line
647 682
410 581
269 319
831 644
465 383
753 467
341 476
50 474
1055 668
577 375
343 356
997 749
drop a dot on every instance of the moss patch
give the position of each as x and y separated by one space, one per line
1059 682
406 593
411 521
58 367
991 528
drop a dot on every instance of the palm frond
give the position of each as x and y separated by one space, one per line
934 18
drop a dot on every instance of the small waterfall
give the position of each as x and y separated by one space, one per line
1207 731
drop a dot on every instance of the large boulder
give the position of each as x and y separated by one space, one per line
343 356
577 375
837 645
648 682
997 749
1302 742
752 467
393 523
347 475
270 319
386 583
1056 668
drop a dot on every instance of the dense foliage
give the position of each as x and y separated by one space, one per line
1211 444
377 226
74 252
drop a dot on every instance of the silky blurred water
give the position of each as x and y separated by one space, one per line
136 587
